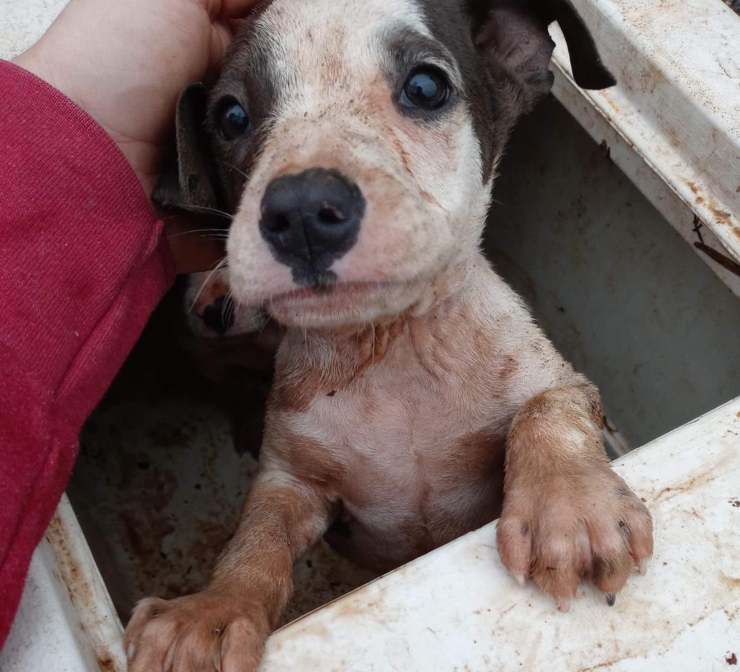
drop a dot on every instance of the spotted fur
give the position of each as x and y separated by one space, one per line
401 390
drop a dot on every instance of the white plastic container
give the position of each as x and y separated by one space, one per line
609 263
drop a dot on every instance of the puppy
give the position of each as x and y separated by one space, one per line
415 399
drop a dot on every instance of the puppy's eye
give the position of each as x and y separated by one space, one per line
427 88
233 120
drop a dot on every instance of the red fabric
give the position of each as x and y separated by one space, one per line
82 264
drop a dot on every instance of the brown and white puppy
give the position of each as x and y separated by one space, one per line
415 399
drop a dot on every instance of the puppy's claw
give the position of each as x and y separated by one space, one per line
563 604
131 651
642 567
611 598
520 579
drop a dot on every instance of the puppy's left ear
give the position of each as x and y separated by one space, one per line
188 181
514 34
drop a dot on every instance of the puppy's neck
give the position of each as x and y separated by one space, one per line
444 288
320 362
357 346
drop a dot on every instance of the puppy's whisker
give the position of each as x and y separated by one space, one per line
220 266
212 211
227 308
231 166
208 232
218 236
224 309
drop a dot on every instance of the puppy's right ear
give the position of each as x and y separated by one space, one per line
189 181
514 35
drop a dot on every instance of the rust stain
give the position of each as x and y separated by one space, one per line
105 664
722 216
72 574
606 663
701 479
78 587
732 582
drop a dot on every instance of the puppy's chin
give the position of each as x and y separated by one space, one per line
343 305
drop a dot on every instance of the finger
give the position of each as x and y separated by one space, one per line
222 34
514 540
238 8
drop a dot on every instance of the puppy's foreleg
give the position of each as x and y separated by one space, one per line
566 514
225 626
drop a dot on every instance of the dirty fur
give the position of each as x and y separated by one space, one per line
416 399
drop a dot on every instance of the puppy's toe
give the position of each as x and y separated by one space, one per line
241 647
514 541
150 637
638 528
198 633
588 527
197 649
557 564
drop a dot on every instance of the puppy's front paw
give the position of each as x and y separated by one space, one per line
571 527
199 633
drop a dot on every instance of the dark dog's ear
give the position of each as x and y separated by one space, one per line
515 33
188 180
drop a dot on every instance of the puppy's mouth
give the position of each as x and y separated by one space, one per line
338 293
335 304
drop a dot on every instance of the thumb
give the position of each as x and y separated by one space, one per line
221 35
238 8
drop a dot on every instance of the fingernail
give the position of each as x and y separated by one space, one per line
611 598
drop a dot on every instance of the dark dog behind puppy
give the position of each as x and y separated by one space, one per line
415 399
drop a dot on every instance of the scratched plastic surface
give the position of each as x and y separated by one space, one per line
456 610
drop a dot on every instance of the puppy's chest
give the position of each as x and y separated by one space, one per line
410 426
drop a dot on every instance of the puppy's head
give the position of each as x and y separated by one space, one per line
356 142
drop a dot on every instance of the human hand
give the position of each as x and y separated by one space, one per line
125 63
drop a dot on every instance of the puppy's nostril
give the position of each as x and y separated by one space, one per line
328 214
311 219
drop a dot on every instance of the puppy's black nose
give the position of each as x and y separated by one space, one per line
219 316
310 220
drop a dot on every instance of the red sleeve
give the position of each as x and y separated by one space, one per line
82 264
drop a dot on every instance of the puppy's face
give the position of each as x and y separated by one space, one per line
347 133
356 142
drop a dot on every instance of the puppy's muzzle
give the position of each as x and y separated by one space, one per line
310 220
